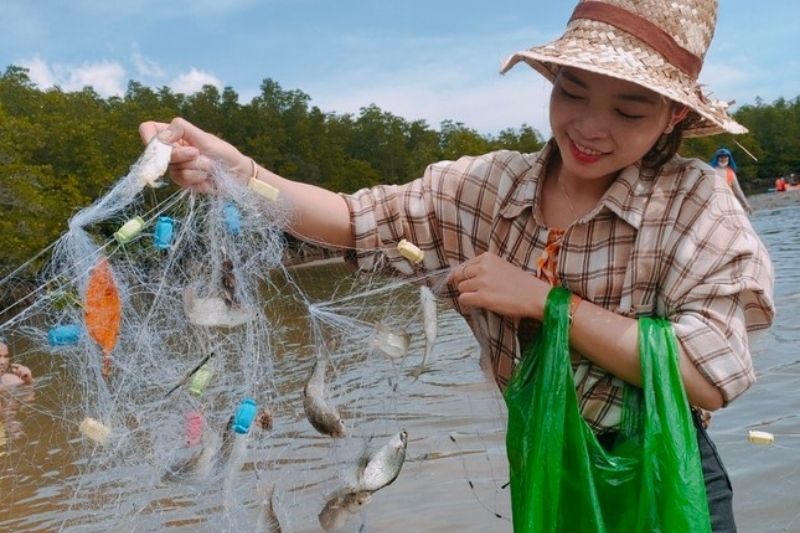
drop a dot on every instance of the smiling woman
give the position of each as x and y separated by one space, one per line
607 210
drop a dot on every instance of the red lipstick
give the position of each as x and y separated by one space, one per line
581 156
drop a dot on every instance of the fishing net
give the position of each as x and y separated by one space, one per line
174 343
172 339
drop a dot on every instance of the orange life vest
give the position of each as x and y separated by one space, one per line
730 176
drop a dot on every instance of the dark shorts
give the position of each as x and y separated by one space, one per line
718 484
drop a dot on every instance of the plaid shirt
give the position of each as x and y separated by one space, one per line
673 243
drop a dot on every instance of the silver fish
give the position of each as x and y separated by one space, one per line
383 467
268 521
229 283
324 418
213 311
153 163
392 344
339 510
228 437
430 324
198 463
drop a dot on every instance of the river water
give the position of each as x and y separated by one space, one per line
455 471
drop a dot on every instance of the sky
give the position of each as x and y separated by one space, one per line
431 60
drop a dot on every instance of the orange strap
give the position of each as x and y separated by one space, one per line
730 176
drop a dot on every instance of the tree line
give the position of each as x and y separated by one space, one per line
61 150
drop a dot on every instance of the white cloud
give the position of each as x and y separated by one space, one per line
458 82
39 72
105 77
488 107
147 67
438 78
193 81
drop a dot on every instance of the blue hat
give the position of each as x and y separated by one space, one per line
723 151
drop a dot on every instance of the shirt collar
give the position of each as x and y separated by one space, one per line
521 196
626 197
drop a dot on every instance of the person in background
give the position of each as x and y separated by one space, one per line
12 374
780 184
725 166
12 378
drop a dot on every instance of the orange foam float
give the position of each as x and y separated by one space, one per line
103 311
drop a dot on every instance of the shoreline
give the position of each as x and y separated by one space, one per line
774 200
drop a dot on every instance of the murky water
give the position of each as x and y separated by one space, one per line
454 475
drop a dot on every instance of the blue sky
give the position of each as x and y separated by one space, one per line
431 60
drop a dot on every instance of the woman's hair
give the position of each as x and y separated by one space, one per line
667 145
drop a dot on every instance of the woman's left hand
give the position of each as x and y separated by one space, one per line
491 283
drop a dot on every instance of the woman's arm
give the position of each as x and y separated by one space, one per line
317 214
739 194
609 340
612 342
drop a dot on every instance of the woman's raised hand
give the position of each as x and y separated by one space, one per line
195 152
492 283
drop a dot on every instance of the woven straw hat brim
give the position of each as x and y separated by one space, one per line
600 48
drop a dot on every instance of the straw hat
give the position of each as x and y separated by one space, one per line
658 44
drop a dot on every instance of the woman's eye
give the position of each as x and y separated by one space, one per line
628 115
570 95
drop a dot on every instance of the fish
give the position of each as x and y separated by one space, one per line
229 284
196 462
430 325
392 344
213 311
268 521
153 163
340 509
183 467
324 418
228 438
382 468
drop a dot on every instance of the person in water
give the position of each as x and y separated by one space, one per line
725 165
12 379
607 209
12 374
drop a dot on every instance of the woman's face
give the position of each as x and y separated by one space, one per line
722 161
602 124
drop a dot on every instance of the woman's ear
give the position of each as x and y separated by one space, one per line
678 114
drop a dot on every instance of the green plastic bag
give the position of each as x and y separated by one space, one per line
562 479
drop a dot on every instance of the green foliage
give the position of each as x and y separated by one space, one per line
774 140
61 150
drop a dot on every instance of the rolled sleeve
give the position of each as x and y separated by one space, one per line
382 216
713 337
717 288
448 213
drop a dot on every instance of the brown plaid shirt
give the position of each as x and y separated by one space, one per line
673 243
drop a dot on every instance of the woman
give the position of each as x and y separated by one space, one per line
725 166
607 209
